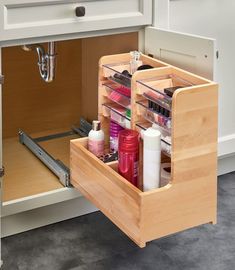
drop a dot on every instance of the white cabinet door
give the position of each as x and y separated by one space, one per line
36 18
193 53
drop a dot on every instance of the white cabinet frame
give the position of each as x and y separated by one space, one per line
37 18
154 41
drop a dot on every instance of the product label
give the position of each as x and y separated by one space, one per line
96 147
135 169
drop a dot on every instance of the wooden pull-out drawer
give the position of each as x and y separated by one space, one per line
28 18
190 197
143 216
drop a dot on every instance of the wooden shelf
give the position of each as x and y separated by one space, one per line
25 174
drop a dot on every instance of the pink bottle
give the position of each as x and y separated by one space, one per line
114 131
96 139
128 155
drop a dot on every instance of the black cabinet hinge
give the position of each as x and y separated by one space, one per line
2 171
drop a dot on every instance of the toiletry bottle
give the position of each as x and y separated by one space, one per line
151 159
114 131
96 139
127 121
135 61
128 153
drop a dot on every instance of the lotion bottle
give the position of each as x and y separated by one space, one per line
96 139
152 159
135 61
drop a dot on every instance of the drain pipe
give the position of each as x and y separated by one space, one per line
46 61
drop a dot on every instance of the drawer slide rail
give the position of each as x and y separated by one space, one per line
56 166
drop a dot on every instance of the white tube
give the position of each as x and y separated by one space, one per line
152 159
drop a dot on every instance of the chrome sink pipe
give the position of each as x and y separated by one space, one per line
46 61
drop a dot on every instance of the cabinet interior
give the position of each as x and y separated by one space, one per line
41 109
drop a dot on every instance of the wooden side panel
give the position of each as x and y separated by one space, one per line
191 198
179 207
112 194
194 134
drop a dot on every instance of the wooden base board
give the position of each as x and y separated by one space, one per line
25 174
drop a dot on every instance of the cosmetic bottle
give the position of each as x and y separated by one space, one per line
128 155
128 122
96 139
151 159
114 131
135 61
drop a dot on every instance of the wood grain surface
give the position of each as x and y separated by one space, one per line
25 174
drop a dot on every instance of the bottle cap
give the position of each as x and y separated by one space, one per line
96 125
128 113
135 55
152 139
128 140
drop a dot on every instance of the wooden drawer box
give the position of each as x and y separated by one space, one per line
143 216
29 18
191 196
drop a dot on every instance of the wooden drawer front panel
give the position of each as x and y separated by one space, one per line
28 18
113 195
143 216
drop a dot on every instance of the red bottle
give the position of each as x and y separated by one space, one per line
128 155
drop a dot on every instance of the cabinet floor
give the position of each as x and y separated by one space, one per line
92 242
25 174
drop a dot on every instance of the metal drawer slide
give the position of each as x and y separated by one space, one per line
55 165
